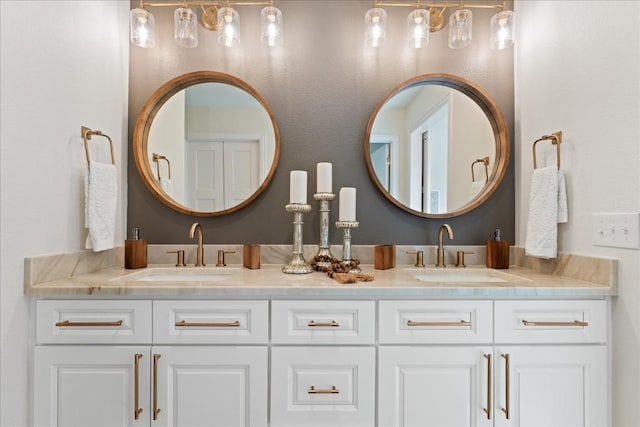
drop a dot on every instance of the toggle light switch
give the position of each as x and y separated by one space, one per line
618 230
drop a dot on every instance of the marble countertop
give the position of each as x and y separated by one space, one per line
235 281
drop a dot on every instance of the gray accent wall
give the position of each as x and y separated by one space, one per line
322 86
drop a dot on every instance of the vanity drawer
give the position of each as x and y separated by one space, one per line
581 321
93 322
323 386
323 322
211 322
442 322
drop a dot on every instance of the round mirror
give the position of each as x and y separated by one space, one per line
437 146
206 143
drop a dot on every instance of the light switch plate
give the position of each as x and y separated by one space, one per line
617 230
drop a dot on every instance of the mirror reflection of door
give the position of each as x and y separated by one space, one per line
381 159
221 173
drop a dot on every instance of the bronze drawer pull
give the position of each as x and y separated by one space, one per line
136 386
574 323
487 410
331 324
507 382
460 323
184 323
332 390
156 410
66 323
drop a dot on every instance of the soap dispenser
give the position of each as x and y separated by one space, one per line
135 251
497 251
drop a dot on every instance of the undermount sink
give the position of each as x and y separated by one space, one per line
464 275
169 274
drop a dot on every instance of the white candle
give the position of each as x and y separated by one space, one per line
347 204
298 187
324 178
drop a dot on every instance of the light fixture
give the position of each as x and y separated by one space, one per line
375 21
271 26
216 15
460 28
142 28
430 15
418 25
228 27
501 35
185 27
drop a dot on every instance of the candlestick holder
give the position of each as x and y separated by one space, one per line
297 265
346 245
324 256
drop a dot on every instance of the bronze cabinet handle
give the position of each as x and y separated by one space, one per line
332 390
487 410
331 324
459 323
136 386
156 410
66 323
574 323
184 323
507 369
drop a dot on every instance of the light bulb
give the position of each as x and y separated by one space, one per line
271 26
501 30
375 23
185 27
460 26
418 27
142 28
228 27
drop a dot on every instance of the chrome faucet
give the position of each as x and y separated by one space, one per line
443 227
197 229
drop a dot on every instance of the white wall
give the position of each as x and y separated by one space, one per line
577 69
64 64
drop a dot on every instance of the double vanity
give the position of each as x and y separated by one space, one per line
229 346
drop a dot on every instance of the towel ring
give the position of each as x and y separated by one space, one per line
556 139
156 158
86 136
485 161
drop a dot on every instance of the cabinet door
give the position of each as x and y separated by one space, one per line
434 386
91 386
551 386
209 386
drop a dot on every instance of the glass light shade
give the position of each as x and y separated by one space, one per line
460 29
418 27
142 28
185 27
375 21
271 26
501 30
228 27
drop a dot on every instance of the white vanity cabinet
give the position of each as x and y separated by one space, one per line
193 370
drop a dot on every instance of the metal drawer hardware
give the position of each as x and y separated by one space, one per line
507 370
333 323
574 323
487 410
332 390
68 323
156 410
184 323
460 323
136 386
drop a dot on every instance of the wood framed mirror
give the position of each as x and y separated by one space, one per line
206 144
437 146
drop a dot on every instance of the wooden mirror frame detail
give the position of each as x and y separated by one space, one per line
155 103
498 124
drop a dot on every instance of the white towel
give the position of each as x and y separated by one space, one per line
101 199
166 185
476 187
547 207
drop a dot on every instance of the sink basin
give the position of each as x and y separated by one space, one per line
169 274
466 275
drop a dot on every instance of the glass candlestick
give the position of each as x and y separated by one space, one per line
346 245
297 265
324 256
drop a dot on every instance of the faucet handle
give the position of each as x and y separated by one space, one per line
460 258
419 258
180 258
221 253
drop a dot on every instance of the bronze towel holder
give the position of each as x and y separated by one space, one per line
485 161
156 158
556 139
86 136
